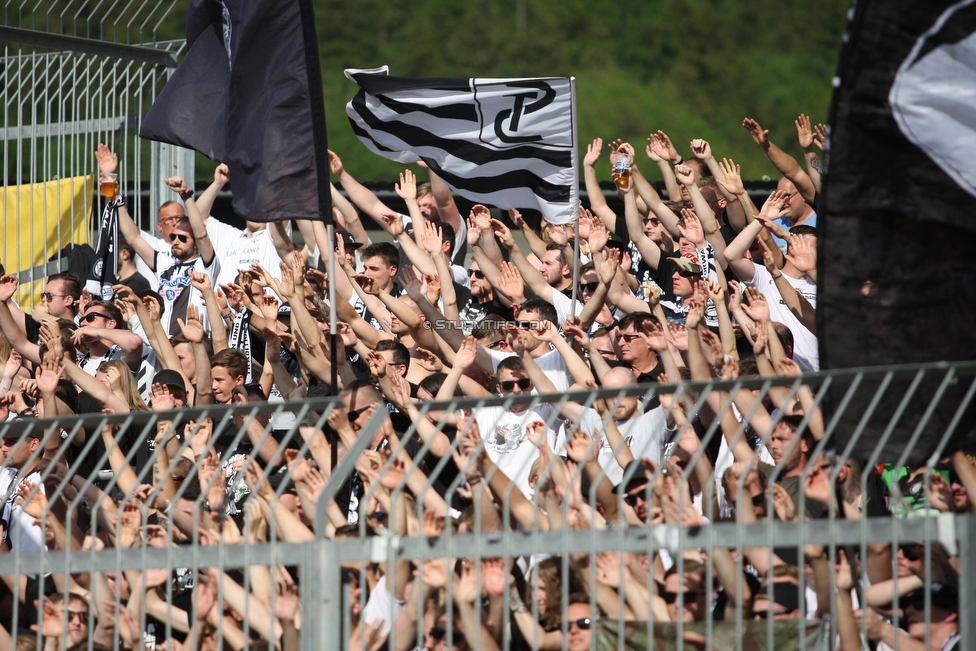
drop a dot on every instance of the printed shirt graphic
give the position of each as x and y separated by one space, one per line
174 280
507 443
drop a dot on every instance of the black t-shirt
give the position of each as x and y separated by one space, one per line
137 282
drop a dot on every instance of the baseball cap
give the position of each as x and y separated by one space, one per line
688 262
941 594
170 378
348 240
614 242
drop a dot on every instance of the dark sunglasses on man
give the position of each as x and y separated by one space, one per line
179 236
476 273
522 383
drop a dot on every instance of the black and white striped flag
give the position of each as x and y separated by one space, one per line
509 143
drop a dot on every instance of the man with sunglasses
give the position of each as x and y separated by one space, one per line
190 249
60 297
579 617
482 301
103 330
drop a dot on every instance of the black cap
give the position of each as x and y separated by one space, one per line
637 479
614 242
348 240
170 378
942 595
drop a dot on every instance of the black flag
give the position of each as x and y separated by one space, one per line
898 238
249 94
105 272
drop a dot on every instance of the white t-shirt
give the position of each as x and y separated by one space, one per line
552 364
645 435
378 607
239 250
507 443
564 305
21 532
806 352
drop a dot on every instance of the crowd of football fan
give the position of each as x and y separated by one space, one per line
699 285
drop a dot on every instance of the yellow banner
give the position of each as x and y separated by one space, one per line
39 220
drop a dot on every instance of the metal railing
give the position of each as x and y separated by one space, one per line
75 75
170 548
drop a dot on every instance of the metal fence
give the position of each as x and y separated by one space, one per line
74 75
481 568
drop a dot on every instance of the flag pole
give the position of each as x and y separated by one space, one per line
330 267
574 199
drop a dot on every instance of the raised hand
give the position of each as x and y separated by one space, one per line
366 284
787 367
503 233
758 308
759 135
222 174
692 228
433 287
715 291
510 282
466 354
49 373
733 177
685 174
801 255
735 295
671 154
107 161
558 235
783 504
407 187
775 206
701 149
608 267
572 328
593 151
335 164
200 281
176 184
433 238
821 138
516 218
482 216
8 285
696 311
192 328
394 224
804 132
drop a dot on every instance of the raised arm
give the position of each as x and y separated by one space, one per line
804 133
349 216
358 194
17 337
703 211
734 209
660 150
598 203
782 161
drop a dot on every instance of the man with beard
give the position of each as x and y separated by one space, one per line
481 301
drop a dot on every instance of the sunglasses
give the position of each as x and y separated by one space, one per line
589 287
438 633
495 344
653 221
179 236
522 383
81 616
688 596
635 497
48 296
91 316
581 624
913 552
475 273
629 337
759 500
